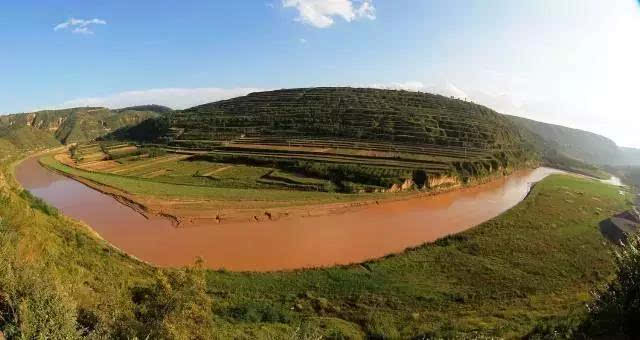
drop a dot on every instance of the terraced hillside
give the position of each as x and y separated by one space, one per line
379 137
365 114
78 124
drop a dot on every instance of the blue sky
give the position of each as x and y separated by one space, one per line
561 61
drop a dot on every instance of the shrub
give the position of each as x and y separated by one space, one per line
616 309
38 203
257 312
381 326
32 303
176 306
153 152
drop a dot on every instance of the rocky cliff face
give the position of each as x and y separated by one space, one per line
78 124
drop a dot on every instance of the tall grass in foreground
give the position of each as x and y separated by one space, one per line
39 204
616 309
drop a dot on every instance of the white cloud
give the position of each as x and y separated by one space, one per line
407 86
177 98
446 89
79 26
303 40
321 13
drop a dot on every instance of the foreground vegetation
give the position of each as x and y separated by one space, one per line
535 262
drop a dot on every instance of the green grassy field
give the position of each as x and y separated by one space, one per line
151 187
536 262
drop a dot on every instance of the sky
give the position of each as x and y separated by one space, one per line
569 62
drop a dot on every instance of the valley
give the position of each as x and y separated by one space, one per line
355 214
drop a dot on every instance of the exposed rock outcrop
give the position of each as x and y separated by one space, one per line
395 188
408 185
442 180
617 228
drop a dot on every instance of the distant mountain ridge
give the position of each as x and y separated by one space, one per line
581 145
630 156
151 108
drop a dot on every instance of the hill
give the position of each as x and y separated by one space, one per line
151 108
348 135
73 125
629 156
581 145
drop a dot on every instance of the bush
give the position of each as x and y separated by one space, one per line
176 306
32 303
616 309
256 312
38 203
381 326
153 152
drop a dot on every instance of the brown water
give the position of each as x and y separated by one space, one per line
366 233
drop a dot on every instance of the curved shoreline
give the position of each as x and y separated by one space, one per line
184 216
367 233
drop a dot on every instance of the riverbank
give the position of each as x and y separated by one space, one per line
295 242
537 261
193 205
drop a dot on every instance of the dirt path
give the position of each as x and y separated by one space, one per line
218 170
146 164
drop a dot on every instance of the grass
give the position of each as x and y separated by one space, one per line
345 135
148 187
38 203
537 261
246 168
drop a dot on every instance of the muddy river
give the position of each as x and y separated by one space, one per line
365 233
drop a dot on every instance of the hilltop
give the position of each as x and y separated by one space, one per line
151 108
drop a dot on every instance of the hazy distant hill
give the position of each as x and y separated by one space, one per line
581 145
74 125
151 108
629 156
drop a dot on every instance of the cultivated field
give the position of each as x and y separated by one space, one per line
357 140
